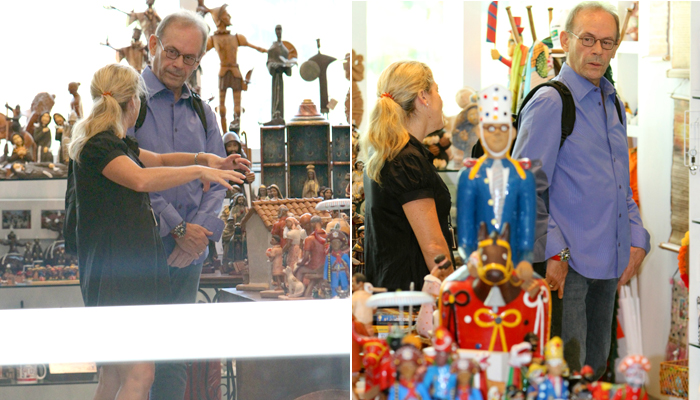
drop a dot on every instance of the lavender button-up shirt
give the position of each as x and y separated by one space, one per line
591 210
174 126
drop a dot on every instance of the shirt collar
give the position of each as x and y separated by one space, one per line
155 86
580 87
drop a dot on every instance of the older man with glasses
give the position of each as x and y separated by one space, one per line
187 218
589 237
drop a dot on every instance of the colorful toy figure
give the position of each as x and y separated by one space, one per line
408 359
278 227
439 380
535 376
464 370
520 359
274 255
337 267
294 237
635 368
262 193
554 386
314 255
311 185
378 364
425 319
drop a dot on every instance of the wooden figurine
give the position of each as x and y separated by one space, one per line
408 359
439 380
67 135
635 368
466 132
311 186
226 46
274 255
274 193
278 227
314 68
554 386
295 288
379 367
148 19
281 57
464 370
136 53
338 219
233 145
358 74
337 265
294 237
262 193
326 193
19 152
314 255
42 137
76 105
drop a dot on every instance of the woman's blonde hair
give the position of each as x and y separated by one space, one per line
397 89
111 89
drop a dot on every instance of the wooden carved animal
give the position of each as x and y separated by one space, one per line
294 287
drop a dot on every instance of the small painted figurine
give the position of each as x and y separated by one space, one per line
28 259
314 255
635 368
11 241
464 370
520 358
361 292
37 251
19 151
280 224
337 266
281 57
379 367
438 379
426 317
408 359
274 255
148 19
42 137
233 145
262 193
311 185
273 191
326 193
76 105
554 386
466 132
294 237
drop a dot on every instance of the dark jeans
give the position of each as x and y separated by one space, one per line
583 319
171 377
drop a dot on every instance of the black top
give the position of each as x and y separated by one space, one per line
393 258
120 253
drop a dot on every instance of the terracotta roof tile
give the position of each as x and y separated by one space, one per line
268 209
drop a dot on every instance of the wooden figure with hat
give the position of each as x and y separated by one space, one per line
337 266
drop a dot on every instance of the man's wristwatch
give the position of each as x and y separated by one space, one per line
564 255
179 231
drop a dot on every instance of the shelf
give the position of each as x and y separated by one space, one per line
670 247
628 47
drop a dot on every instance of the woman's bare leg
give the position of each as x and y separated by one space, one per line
108 384
136 380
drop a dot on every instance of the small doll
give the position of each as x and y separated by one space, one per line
274 255
408 359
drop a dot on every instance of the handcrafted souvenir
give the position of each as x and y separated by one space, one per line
314 255
278 227
466 132
273 192
274 255
314 68
361 291
358 74
233 145
379 367
262 193
226 46
12 242
439 380
438 144
281 57
311 186
535 376
37 251
149 19
635 368
426 315
408 359
520 359
19 151
294 237
337 266
338 219
326 193
295 288
42 103
464 370
518 56
76 105
136 53
42 137
554 386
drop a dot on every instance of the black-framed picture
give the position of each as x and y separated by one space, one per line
52 219
16 219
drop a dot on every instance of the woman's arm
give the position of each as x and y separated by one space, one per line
123 171
422 215
151 159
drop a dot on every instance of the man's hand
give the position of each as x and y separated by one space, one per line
556 276
196 239
234 161
636 257
179 258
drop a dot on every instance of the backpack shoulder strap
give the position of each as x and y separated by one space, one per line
568 113
618 108
142 114
199 109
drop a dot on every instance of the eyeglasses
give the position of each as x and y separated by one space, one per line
502 128
589 41
173 54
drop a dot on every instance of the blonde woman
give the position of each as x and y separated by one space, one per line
407 205
121 256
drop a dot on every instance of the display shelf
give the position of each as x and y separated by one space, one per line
41 284
44 382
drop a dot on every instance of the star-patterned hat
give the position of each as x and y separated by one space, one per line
554 349
631 360
495 104
442 340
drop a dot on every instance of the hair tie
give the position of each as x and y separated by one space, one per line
107 93
386 94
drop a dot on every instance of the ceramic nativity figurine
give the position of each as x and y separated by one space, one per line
555 386
311 185
280 224
326 193
635 368
274 193
274 255
281 57
76 105
294 237
233 145
408 359
226 46
262 193
136 53
337 266
19 151
42 137
149 19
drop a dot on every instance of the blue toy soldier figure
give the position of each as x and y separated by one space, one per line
337 267
439 377
496 189
408 359
554 386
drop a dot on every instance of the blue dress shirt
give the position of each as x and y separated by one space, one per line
591 210
174 126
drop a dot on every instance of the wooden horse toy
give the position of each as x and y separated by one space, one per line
494 306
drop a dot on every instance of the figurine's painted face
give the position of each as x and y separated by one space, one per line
289 223
497 137
634 376
473 115
310 174
328 194
441 358
186 40
278 32
233 147
274 192
45 118
336 244
511 46
407 369
555 369
240 201
464 378
59 120
17 141
590 62
262 192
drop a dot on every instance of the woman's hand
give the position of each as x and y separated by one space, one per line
211 175
234 161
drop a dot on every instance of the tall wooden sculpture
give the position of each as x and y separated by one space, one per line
316 67
281 57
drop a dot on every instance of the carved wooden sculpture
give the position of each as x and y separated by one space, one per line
316 67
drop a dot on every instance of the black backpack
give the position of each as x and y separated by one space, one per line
568 113
70 224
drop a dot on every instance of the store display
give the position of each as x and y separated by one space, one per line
358 75
311 186
226 46
281 57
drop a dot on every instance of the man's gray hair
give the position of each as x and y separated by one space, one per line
592 6
186 18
